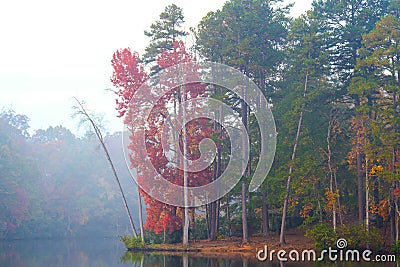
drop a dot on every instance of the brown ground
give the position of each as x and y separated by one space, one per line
234 246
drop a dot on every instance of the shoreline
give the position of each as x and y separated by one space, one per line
234 246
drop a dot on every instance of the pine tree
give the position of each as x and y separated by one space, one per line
163 33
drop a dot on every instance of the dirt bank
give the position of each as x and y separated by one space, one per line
228 247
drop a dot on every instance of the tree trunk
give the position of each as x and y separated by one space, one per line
228 218
328 141
392 214
360 186
289 179
214 206
338 200
333 180
185 237
319 209
217 208
213 226
244 143
244 214
397 221
265 223
140 216
208 222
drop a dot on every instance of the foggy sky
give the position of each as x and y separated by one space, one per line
51 51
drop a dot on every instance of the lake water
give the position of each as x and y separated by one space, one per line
109 253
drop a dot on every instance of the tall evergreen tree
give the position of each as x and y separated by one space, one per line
163 32
346 21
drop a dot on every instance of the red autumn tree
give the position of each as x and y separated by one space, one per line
128 76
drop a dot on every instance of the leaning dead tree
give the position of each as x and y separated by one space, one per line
291 166
86 117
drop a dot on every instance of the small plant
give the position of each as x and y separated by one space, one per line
132 243
396 248
220 236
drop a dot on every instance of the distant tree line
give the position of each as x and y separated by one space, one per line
54 184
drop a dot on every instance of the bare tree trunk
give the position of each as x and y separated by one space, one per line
228 217
265 223
185 238
82 111
289 179
396 213
397 220
338 200
193 226
360 186
245 232
319 209
214 206
213 226
217 208
244 214
328 141
140 216
392 214
208 222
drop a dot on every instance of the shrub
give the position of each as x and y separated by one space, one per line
356 236
323 236
396 248
220 236
132 243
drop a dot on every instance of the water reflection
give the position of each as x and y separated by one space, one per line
165 260
71 252
111 252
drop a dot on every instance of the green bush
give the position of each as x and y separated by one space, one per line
396 248
132 243
323 236
220 236
356 236
199 232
